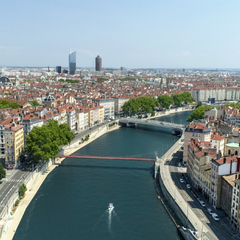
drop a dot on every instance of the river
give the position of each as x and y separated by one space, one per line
72 202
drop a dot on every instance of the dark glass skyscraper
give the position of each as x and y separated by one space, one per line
58 69
72 63
98 64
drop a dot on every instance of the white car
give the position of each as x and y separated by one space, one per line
182 180
209 210
202 203
215 217
188 186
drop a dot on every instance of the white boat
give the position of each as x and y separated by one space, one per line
110 207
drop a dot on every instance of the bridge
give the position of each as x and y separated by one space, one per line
102 157
167 127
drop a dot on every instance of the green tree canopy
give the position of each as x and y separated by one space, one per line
2 172
8 104
34 103
186 97
43 142
177 99
198 113
22 189
139 105
165 101
199 104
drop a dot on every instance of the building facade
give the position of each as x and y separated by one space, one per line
98 63
72 63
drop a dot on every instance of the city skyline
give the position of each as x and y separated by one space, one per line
153 34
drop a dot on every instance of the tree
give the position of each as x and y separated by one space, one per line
198 113
199 104
21 191
34 103
2 172
139 105
165 101
43 142
177 99
8 104
130 107
186 97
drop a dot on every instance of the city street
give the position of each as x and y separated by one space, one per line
221 229
10 185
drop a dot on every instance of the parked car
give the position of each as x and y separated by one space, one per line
182 180
215 217
188 185
209 210
202 203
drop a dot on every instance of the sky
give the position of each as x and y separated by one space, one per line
128 33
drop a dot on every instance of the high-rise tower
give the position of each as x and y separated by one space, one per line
72 63
98 64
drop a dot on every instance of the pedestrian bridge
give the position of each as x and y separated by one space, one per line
167 127
102 157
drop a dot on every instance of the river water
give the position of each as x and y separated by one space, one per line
72 202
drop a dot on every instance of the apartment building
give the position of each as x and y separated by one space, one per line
71 118
12 144
29 121
235 207
195 131
226 194
221 167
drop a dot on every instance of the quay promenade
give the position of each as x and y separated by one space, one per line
176 200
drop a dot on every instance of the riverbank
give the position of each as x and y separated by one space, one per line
16 218
168 113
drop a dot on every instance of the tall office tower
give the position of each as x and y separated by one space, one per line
58 69
98 64
72 63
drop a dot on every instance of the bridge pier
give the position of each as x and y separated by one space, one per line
156 165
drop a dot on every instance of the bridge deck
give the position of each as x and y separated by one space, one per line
101 157
151 122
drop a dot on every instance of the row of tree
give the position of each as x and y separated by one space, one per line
139 105
148 104
43 142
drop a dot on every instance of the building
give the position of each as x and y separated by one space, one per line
58 69
119 102
109 107
98 63
199 155
71 118
221 167
72 63
49 101
226 194
235 208
29 121
195 131
12 144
